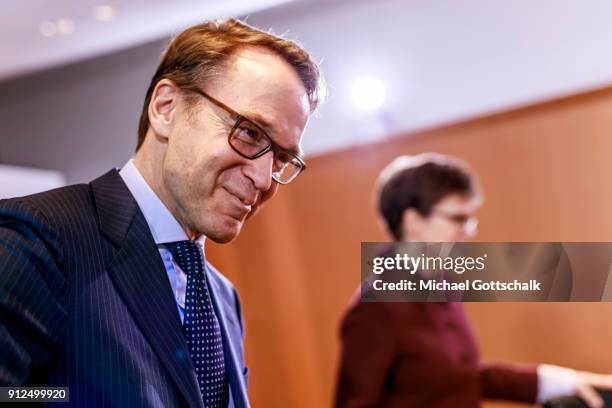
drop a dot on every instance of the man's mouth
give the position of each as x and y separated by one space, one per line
243 200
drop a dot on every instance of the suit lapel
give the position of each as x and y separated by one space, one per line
139 275
233 367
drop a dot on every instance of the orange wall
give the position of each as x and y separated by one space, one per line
546 172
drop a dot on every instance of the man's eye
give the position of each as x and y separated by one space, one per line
279 165
249 135
281 160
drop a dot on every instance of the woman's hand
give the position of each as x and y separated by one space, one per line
586 385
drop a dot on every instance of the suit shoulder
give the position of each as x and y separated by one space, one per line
374 313
59 200
45 216
51 204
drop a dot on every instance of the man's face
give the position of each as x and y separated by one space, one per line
209 187
452 219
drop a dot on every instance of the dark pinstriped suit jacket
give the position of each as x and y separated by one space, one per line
85 302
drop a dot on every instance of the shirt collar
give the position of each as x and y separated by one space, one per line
164 227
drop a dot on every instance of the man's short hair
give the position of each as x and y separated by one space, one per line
198 53
420 182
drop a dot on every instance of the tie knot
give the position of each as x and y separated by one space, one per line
187 255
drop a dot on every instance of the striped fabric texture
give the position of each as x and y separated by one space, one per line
85 302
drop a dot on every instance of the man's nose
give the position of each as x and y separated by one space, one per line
259 171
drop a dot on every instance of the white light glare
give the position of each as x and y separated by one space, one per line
105 12
65 26
47 28
60 26
368 93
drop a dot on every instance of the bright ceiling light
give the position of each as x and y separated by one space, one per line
368 93
64 26
60 26
47 28
105 12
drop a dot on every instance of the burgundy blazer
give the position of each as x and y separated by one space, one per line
420 355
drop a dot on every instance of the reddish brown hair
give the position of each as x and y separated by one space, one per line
195 55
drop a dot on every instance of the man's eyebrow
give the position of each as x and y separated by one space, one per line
259 120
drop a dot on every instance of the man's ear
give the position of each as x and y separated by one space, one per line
163 108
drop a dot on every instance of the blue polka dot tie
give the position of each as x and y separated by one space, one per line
201 327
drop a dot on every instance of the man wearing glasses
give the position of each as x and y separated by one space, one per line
105 286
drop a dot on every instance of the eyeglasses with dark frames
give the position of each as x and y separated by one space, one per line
250 141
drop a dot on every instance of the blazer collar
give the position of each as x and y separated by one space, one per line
115 206
139 275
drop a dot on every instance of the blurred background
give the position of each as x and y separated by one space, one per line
521 90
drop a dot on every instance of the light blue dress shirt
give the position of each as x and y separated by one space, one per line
164 228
